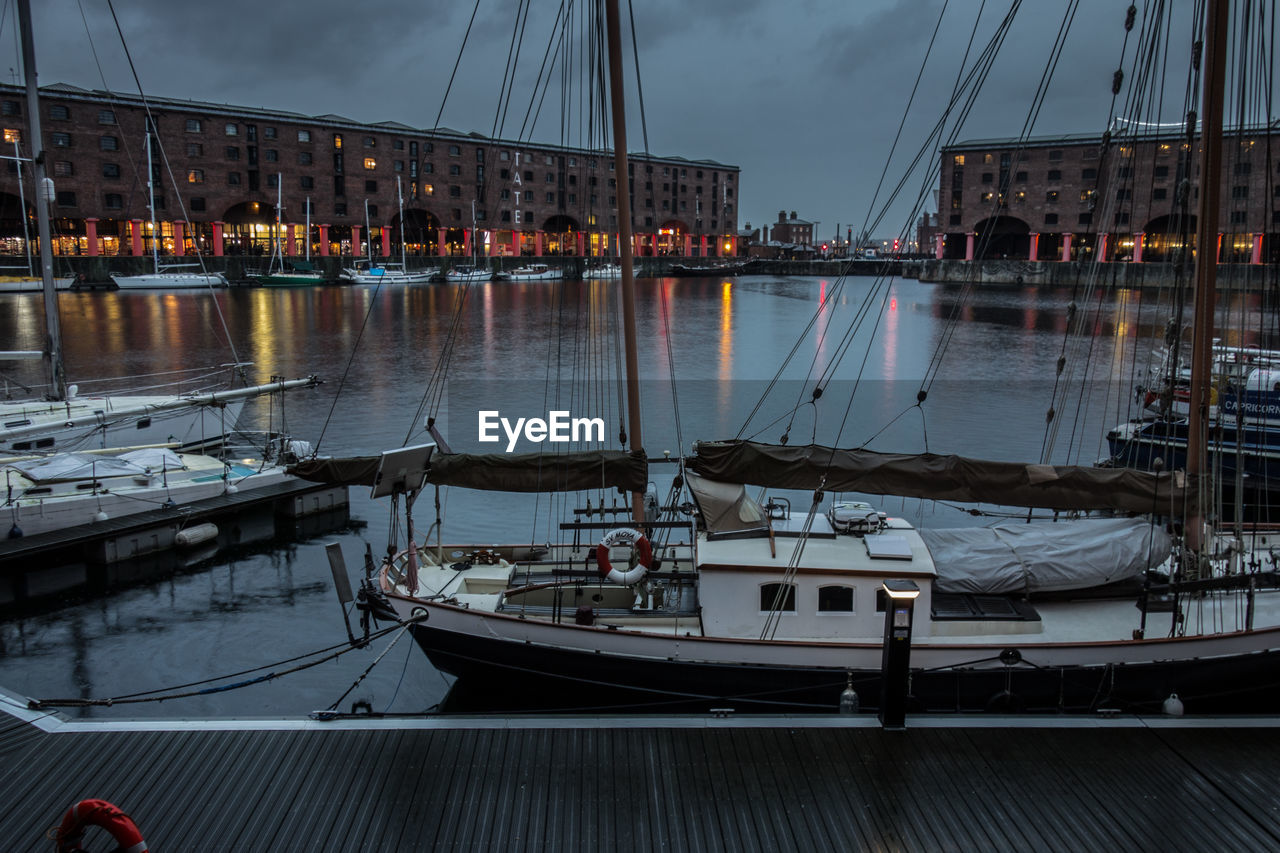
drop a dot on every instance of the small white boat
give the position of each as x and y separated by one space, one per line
532 272
165 279
31 284
464 273
385 274
603 271
70 490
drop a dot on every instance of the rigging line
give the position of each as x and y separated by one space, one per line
433 393
146 105
635 54
346 371
457 62
545 72
906 110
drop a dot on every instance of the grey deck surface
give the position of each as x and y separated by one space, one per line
679 783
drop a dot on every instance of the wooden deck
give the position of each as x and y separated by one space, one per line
672 783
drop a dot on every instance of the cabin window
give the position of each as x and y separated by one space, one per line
835 599
778 596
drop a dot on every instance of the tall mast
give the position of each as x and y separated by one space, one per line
151 204
625 247
308 229
53 330
1215 60
400 196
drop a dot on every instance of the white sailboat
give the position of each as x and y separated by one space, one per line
753 607
474 271
386 273
167 277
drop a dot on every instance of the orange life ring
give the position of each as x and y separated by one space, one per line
624 536
88 813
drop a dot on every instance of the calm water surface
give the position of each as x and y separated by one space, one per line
378 354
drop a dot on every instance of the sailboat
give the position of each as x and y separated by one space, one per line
167 276
746 605
474 271
63 418
300 273
19 279
386 273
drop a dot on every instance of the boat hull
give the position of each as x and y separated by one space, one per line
169 281
503 663
19 284
94 426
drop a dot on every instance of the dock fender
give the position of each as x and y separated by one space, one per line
100 813
624 536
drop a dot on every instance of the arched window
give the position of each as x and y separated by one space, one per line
835 599
778 596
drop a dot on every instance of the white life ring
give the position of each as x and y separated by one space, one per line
632 538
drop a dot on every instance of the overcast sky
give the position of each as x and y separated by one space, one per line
805 96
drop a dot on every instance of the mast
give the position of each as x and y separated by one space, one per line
151 205
43 197
400 196
308 229
368 235
625 247
22 204
1215 60
279 226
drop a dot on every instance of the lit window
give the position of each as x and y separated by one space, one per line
337 140
370 163
957 160
195 176
11 135
428 189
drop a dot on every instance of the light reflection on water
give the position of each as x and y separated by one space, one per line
726 337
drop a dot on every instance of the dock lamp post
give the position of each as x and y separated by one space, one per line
896 662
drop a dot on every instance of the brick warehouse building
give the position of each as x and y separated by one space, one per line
1081 197
529 198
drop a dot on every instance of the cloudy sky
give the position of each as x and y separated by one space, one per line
806 96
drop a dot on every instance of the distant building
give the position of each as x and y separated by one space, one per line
231 162
793 230
1080 196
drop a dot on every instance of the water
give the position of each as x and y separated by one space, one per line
378 351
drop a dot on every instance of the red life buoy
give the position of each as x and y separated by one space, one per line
88 813
632 538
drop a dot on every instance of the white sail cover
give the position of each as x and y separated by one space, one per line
65 467
1067 555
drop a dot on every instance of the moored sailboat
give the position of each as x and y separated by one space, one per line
742 603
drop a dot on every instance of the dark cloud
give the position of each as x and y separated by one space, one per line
805 96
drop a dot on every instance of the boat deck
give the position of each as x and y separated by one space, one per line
672 783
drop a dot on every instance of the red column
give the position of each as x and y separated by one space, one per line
493 243
355 240
1137 248
537 244
702 245
688 244
733 244
179 239
217 239
291 247
386 242
324 240
91 235
968 245
1102 247
1034 251
135 237
937 247
1256 257
441 250
582 244
1066 248
466 241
